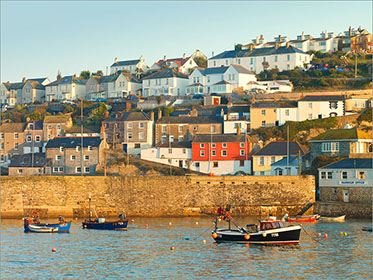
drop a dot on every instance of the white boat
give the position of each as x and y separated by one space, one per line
35 228
333 219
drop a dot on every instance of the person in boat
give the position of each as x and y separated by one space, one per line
61 219
220 211
122 216
271 217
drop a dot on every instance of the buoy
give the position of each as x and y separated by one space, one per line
76 218
341 233
319 234
54 250
170 223
264 235
196 223
132 220
219 220
345 233
85 226
214 235
325 235
146 225
247 236
204 241
172 248
186 238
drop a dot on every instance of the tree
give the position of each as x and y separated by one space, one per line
159 99
85 74
238 47
201 61
98 73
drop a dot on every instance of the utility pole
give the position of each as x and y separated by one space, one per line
287 148
169 145
81 138
300 166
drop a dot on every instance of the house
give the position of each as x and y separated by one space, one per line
131 66
283 166
219 79
221 154
10 93
273 152
165 82
131 130
33 137
341 143
32 91
355 104
355 40
178 154
66 88
348 180
266 114
27 165
237 117
257 59
117 85
277 86
210 100
56 126
76 130
65 155
183 128
11 141
313 107
183 64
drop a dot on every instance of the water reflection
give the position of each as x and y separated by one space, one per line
145 252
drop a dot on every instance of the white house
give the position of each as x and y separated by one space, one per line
277 86
10 93
32 91
165 82
178 154
257 59
113 86
183 64
237 116
313 107
132 66
285 166
66 88
219 79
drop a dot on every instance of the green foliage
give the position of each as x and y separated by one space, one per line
85 74
167 111
68 109
98 73
201 61
159 99
238 47
366 115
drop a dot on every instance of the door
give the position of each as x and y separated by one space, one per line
346 196
180 163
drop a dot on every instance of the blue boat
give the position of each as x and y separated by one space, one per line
61 226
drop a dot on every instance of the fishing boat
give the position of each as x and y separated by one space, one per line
269 231
102 224
62 225
42 229
302 219
369 229
333 219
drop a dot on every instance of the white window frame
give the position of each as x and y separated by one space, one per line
242 152
29 138
224 153
58 157
73 157
202 145
78 171
202 153
86 169
224 145
86 157
37 138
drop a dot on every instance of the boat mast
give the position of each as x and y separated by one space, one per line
90 212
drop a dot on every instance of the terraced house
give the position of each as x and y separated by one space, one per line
66 88
132 66
56 126
11 141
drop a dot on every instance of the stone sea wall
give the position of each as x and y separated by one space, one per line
154 196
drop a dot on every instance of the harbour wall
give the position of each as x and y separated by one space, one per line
154 196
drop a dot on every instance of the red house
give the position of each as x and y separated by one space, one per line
221 154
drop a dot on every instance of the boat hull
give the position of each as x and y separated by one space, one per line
116 225
287 235
303 219
42 229
333 219
62 227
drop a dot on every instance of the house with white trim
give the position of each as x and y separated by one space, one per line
132 66
66 88
313 107
184 64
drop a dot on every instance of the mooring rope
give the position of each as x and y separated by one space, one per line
311 235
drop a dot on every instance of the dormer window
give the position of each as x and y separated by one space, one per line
78 148
90 148
31 126
61 149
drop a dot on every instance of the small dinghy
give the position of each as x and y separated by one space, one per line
42 229
367 229
62 225
302 219
333 219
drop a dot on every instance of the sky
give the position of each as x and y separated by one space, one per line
40 38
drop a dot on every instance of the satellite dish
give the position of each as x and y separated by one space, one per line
347 126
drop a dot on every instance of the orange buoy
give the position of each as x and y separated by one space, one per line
214 235
172 248
264 235
319 234
146 225
247 236
54 250
204 241
325 235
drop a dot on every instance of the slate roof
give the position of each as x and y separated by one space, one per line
68 80
220 138
36 85
241 69
223 82
195 85
77 129
177 113
40 80
189 120
180 61
12 127
323 98
351 163
280 149
56 119
214 70
73 142
166 73
38 125
182 144
130 116
126 62
257 52
293 160
11 86
342 134
26 160
274 105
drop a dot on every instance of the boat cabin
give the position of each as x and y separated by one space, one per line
270 224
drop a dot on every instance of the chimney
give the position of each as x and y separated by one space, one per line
193 112
238 129
287 45
102 132
164 58
279 38
212 53
23 80
276 45
359 29
256 40
184 55
159 114
106 114
116 60
303 35
261 37
251 47
229 102
152 116
141 58
350 31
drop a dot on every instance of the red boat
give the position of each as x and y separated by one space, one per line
303 219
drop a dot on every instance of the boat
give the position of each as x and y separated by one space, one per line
269 232
302 219
102 224
370 229
62 225
333 219
42 229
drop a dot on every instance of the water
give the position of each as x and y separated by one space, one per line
145 253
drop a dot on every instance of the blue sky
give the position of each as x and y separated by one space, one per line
40 38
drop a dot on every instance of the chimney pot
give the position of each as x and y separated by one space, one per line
164 58
159 114
152 116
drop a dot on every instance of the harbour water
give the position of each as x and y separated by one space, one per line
142 252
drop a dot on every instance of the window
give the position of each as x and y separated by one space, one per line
310 116
361 175
90 148
242 163
78 148
37 138
58 126
78 170
60 169
263 112
264 59
251 60
330 175
129 125
213 145
2 158
213 128
58 157
55 169
2 135
216 164
275 58
330 147
170 151
15 135
214 63
287 112
2 146
197 164
16 146
226 61
263 123
28 138
278 171
141 135
181 138
239 61
323 175
164 128
20 171
213 153
333 105
242 145
129 135
202 153
184 151
242 152
309 105
273 160
86 157
181 128
344 175
86 169
288 57
61 149
224 145
224 153
261 161
201 145
72 157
